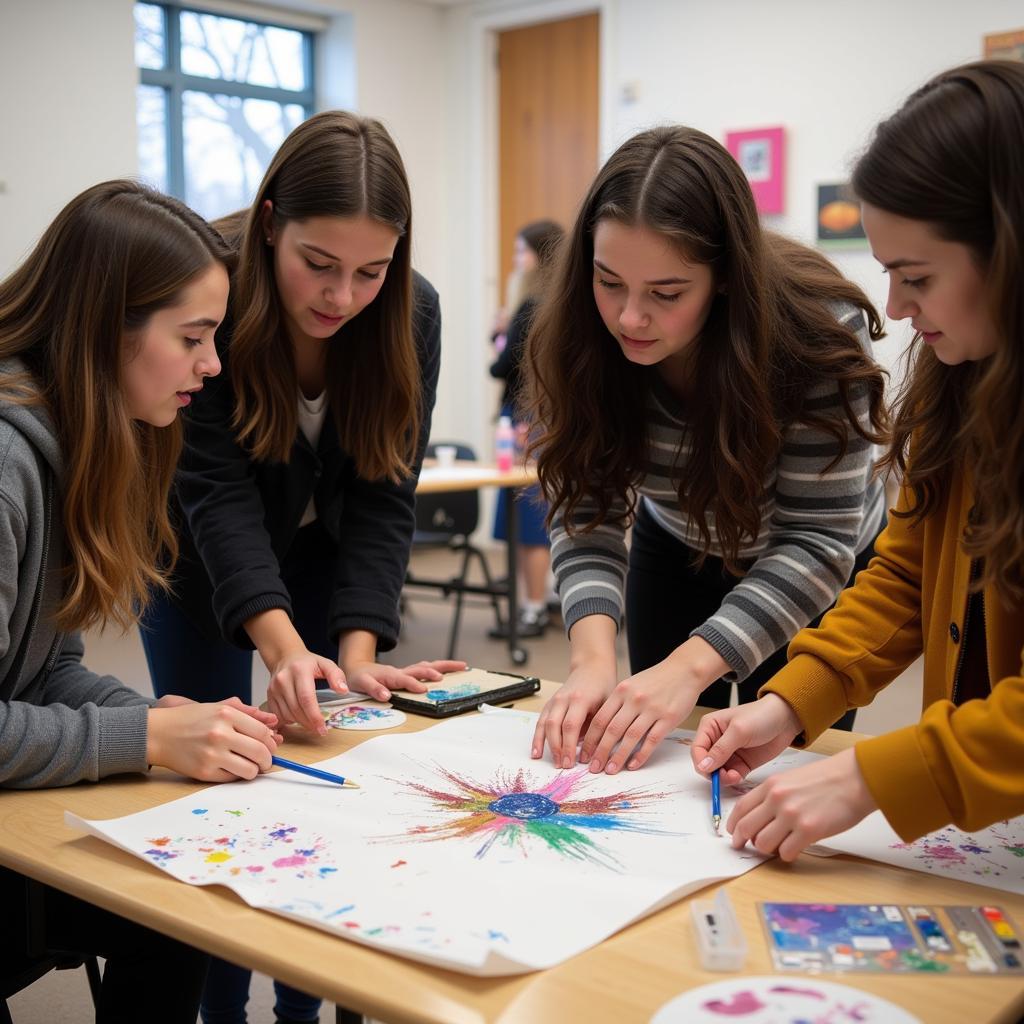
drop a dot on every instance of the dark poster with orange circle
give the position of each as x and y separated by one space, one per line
839 216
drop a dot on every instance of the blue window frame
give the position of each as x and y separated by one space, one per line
217 95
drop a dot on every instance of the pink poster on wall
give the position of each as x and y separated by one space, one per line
761 154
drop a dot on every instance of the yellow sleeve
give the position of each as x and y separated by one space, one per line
963 765
868 639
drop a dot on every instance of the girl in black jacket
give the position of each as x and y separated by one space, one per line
296 488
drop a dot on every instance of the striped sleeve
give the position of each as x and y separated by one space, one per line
590 568
818 521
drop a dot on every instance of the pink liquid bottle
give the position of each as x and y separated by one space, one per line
504 444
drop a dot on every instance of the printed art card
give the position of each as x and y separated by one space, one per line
456 847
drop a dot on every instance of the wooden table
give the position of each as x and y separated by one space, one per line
621 981
464 475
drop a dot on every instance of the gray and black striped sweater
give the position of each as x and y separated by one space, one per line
813 524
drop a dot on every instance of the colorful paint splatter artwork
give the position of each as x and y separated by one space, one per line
514 811
260 853
993 856
454 849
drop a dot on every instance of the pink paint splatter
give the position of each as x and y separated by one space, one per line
739 1005
295 861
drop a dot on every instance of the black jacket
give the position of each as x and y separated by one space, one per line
239 517
509 364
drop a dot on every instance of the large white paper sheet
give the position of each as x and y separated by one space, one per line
458 851
993 856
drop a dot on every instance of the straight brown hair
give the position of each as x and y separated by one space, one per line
333 165
771 334
114 256
953 157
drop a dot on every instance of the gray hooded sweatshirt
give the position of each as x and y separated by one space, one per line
59 722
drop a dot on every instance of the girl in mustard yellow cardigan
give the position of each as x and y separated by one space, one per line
943 190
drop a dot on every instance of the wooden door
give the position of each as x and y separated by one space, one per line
548 124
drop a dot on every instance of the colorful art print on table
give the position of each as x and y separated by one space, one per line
844 936
364 717
775 1000
993 856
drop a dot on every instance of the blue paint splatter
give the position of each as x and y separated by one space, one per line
199 810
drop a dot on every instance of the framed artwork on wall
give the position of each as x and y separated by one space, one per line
839 223
761 152
1005 45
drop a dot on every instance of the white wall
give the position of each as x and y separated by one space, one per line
67 109
827 71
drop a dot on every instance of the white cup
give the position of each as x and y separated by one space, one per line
445 454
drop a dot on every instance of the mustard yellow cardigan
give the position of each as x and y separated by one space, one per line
964 764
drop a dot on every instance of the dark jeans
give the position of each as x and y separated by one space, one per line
667 598
182 660
148 976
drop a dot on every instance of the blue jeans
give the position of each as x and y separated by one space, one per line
182 660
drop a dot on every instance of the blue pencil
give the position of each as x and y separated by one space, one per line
314 772
716 801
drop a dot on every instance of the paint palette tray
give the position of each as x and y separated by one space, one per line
464 691
886 938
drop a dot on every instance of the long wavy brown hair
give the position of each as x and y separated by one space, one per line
953 156
72 313
333 165
771 335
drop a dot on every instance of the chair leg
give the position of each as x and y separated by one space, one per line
457 612
341 1016
489 581
5 1013
92 972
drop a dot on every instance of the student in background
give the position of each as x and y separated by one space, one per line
711 383
536 244
943 190
106 332
296 487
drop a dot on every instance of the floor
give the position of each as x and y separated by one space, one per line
64 995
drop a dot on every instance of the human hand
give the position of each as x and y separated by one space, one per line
793 809
210 742
738 740
567 712
643 709
173 700
379 680
291 695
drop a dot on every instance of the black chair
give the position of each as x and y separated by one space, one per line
447 520
18 973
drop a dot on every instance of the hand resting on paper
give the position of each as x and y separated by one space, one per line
790 811
635 714
211 742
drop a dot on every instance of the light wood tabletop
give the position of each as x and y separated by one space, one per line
470 476
622 980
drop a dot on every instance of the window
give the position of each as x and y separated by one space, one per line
217 95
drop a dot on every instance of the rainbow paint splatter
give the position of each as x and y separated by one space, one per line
514 811
949 851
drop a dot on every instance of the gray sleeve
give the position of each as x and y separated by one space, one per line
590 568
73 726
818 520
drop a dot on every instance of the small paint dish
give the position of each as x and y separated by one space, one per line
365 717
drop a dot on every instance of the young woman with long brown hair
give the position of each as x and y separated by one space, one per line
296 487
942 184
710 383
106 331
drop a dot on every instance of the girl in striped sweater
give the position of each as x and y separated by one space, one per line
710 384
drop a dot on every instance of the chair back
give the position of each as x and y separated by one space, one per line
442 517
